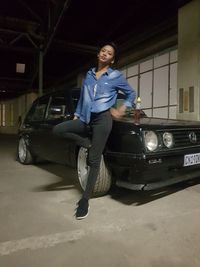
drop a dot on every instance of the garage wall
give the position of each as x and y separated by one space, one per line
12 110
155 80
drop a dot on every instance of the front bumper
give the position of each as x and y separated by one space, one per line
146 172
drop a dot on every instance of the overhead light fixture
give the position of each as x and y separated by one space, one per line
20 67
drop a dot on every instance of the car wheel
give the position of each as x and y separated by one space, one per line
23 153
104 180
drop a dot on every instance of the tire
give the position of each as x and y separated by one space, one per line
104 179
23 153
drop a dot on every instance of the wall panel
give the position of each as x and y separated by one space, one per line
146 89
160 91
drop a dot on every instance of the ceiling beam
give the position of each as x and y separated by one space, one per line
20 24
64 46
35 15
22 49
14 79
53 28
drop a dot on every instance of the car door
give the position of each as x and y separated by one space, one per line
32 126
54 148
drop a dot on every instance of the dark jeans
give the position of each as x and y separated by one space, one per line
100 126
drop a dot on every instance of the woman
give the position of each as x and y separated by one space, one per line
94 109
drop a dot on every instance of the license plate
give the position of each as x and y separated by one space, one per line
191 159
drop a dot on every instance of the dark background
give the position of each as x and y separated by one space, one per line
68 33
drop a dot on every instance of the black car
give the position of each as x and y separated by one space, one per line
141 154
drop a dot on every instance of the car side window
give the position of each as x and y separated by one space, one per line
57 107
37 112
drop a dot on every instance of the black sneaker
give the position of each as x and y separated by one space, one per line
82 209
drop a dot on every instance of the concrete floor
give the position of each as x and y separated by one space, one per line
124 228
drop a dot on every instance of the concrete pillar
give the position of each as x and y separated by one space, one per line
189 61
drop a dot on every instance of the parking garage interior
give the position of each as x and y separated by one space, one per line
48 45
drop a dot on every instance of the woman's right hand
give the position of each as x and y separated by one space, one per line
75 118
118 112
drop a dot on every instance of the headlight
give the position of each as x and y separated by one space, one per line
168 139
151 140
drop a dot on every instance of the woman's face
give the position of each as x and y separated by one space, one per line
106 55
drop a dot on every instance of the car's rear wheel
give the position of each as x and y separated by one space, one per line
104 180
23 153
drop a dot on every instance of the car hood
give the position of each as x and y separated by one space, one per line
159 122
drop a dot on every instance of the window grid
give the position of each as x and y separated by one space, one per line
168 64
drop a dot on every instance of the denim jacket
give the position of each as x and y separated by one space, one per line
100 94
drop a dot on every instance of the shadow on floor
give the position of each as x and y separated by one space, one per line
68 177
137 198
69 180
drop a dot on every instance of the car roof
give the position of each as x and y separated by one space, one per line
57 92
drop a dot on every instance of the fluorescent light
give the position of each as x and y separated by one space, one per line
20 67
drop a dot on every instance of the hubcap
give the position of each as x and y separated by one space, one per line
22 150
83 168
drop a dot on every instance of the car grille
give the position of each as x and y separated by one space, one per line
182 139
